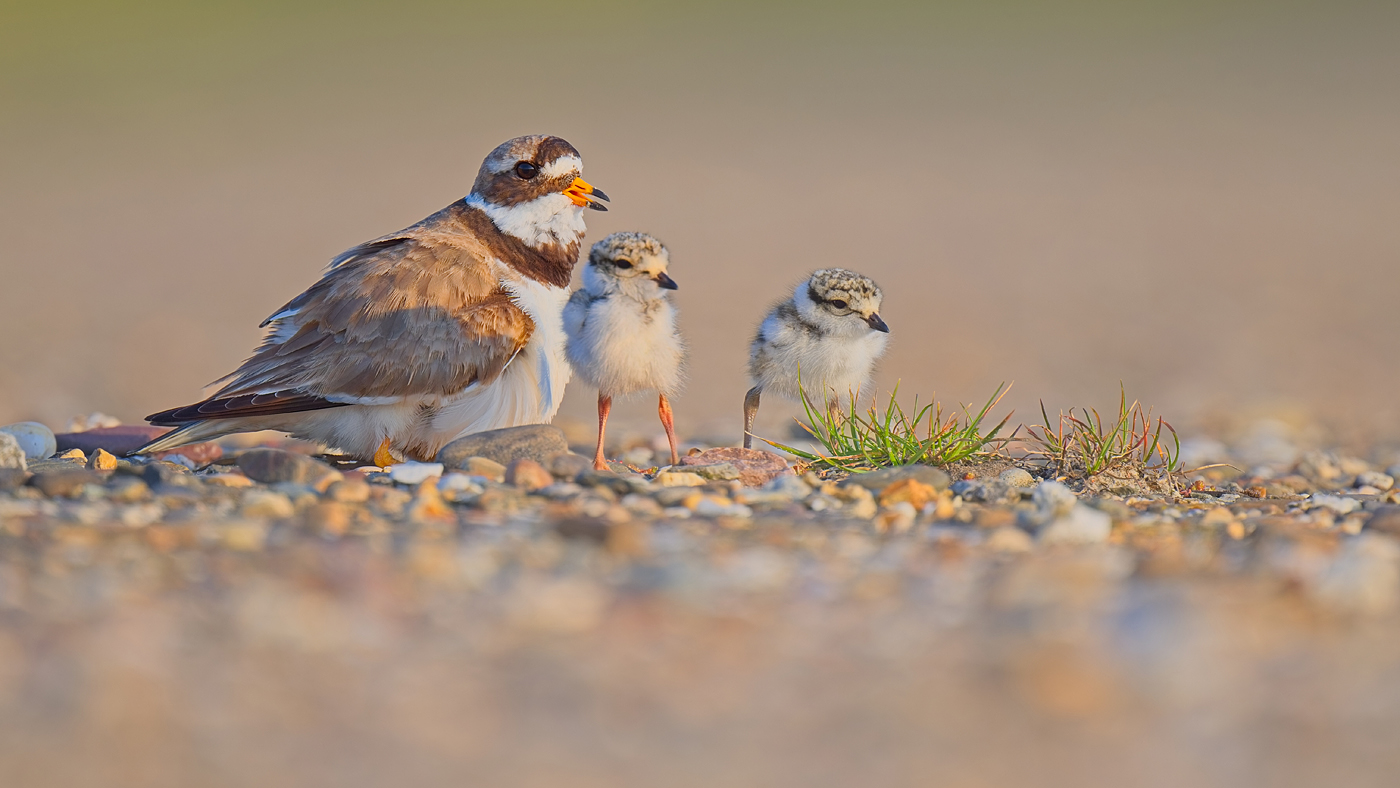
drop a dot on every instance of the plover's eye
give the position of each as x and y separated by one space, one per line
622 264
526 170
839 304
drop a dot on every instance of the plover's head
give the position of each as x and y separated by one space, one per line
531 188
841 301
633 262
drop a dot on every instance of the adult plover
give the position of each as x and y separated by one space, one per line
622 328
829 333
450 326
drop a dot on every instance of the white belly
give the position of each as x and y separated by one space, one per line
531 387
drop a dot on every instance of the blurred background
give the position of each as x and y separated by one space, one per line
1195 198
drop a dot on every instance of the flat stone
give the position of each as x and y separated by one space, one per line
35 439
11 453
533 441
755 467
270 466
875 481
127 438
64 484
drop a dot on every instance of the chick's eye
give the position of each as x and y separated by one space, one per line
526 170
839 304
622 264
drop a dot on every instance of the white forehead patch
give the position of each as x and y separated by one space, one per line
563 166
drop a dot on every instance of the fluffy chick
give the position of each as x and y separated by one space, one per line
621 328
830 331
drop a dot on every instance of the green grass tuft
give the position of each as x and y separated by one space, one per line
858 442
1087 445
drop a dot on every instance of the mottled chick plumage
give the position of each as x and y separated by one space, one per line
829 334
621 327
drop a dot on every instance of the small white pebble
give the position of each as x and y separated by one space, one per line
414 473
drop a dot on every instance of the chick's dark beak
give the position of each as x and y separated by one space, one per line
665 282
876 323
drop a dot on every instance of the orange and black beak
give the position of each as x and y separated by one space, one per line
584 195
875 322
665 282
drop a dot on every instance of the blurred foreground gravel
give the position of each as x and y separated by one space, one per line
611 630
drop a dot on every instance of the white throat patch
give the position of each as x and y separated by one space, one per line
551 219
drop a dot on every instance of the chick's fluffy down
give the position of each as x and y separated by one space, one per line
622 346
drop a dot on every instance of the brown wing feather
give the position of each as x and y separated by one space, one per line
418 313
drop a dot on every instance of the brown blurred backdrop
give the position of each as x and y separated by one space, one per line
1198 199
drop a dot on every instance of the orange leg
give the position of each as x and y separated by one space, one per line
382 457
663 409
604 407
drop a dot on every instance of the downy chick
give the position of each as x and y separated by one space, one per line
830 332
621 328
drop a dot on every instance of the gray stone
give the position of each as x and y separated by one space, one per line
65 483
276 465
535 442
567 465
11 453
35 439
163 472
875 481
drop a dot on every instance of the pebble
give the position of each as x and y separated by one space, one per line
1336 503
414 473
1016 477
266 503
232 480
164 472
482 467
1053 500
896 519
755 467
277 465
101 460
1376 479
681 479
351 489
1364 577
712 506
879 480
1009 539
911 491
567 466
461 486
127 489
12 478
35 439
528 475
11 453
537 442
1081 525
